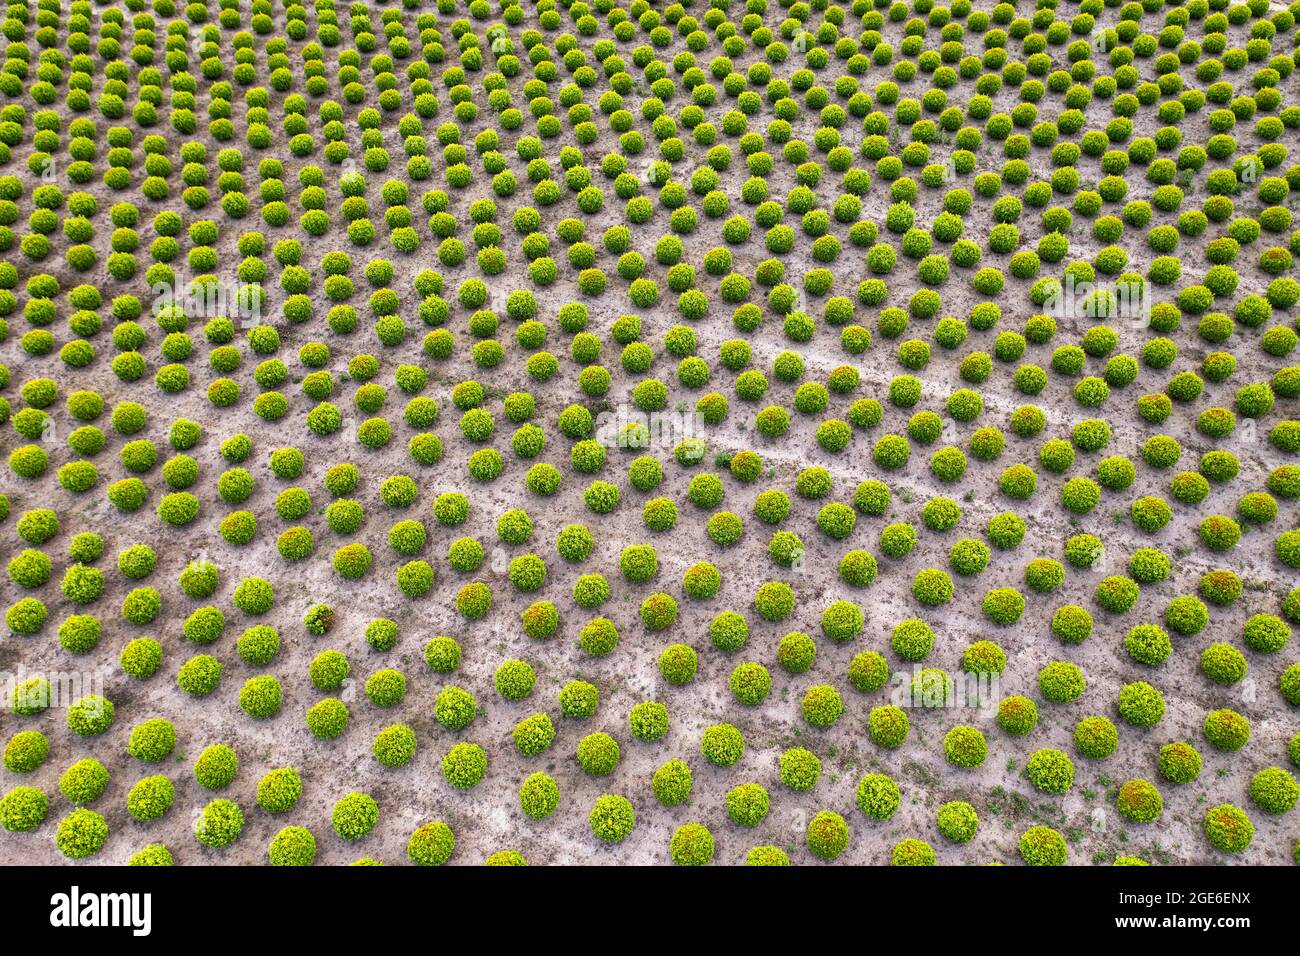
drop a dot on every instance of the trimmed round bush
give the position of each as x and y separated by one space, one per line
1228 828
464 765
722 744
80 834
219 824
827 835
611 818
539 795
691 845
394 746
957 821
1050 771
1179 762
431 844
354 815
1140 704
279 790
965 747
1017 715
912 852
1096 737
1043 846
1274 790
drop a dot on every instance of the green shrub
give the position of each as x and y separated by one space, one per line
957 821
691 845
598 754
431 844
23 809
796 652
722 744
1179 762
1223 663
1148 644
80 834
354 816
1226 730
1274 790
219 824
1061 682
1221 587
842 621
1117 594
1228 828
878 796
514 679
822 706
827 835
279 790
1003 605
611 818
394 746
26 751
152 741
1096 737
932 587
1266 633
965 747
672 783
534 734
1044 575
539 795
84 781
90 716
442 654
1043 846
464 765
747 804
260 697
1140 704
150 798
1050 771
1017 715
292 846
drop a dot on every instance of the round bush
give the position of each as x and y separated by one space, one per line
1179 762
1043 846
431 844
965 747
80 834
355 815
1226 730
611 818
394 746
1274 790
722 744
1228 828
219 824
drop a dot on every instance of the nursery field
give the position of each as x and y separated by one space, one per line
618 432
